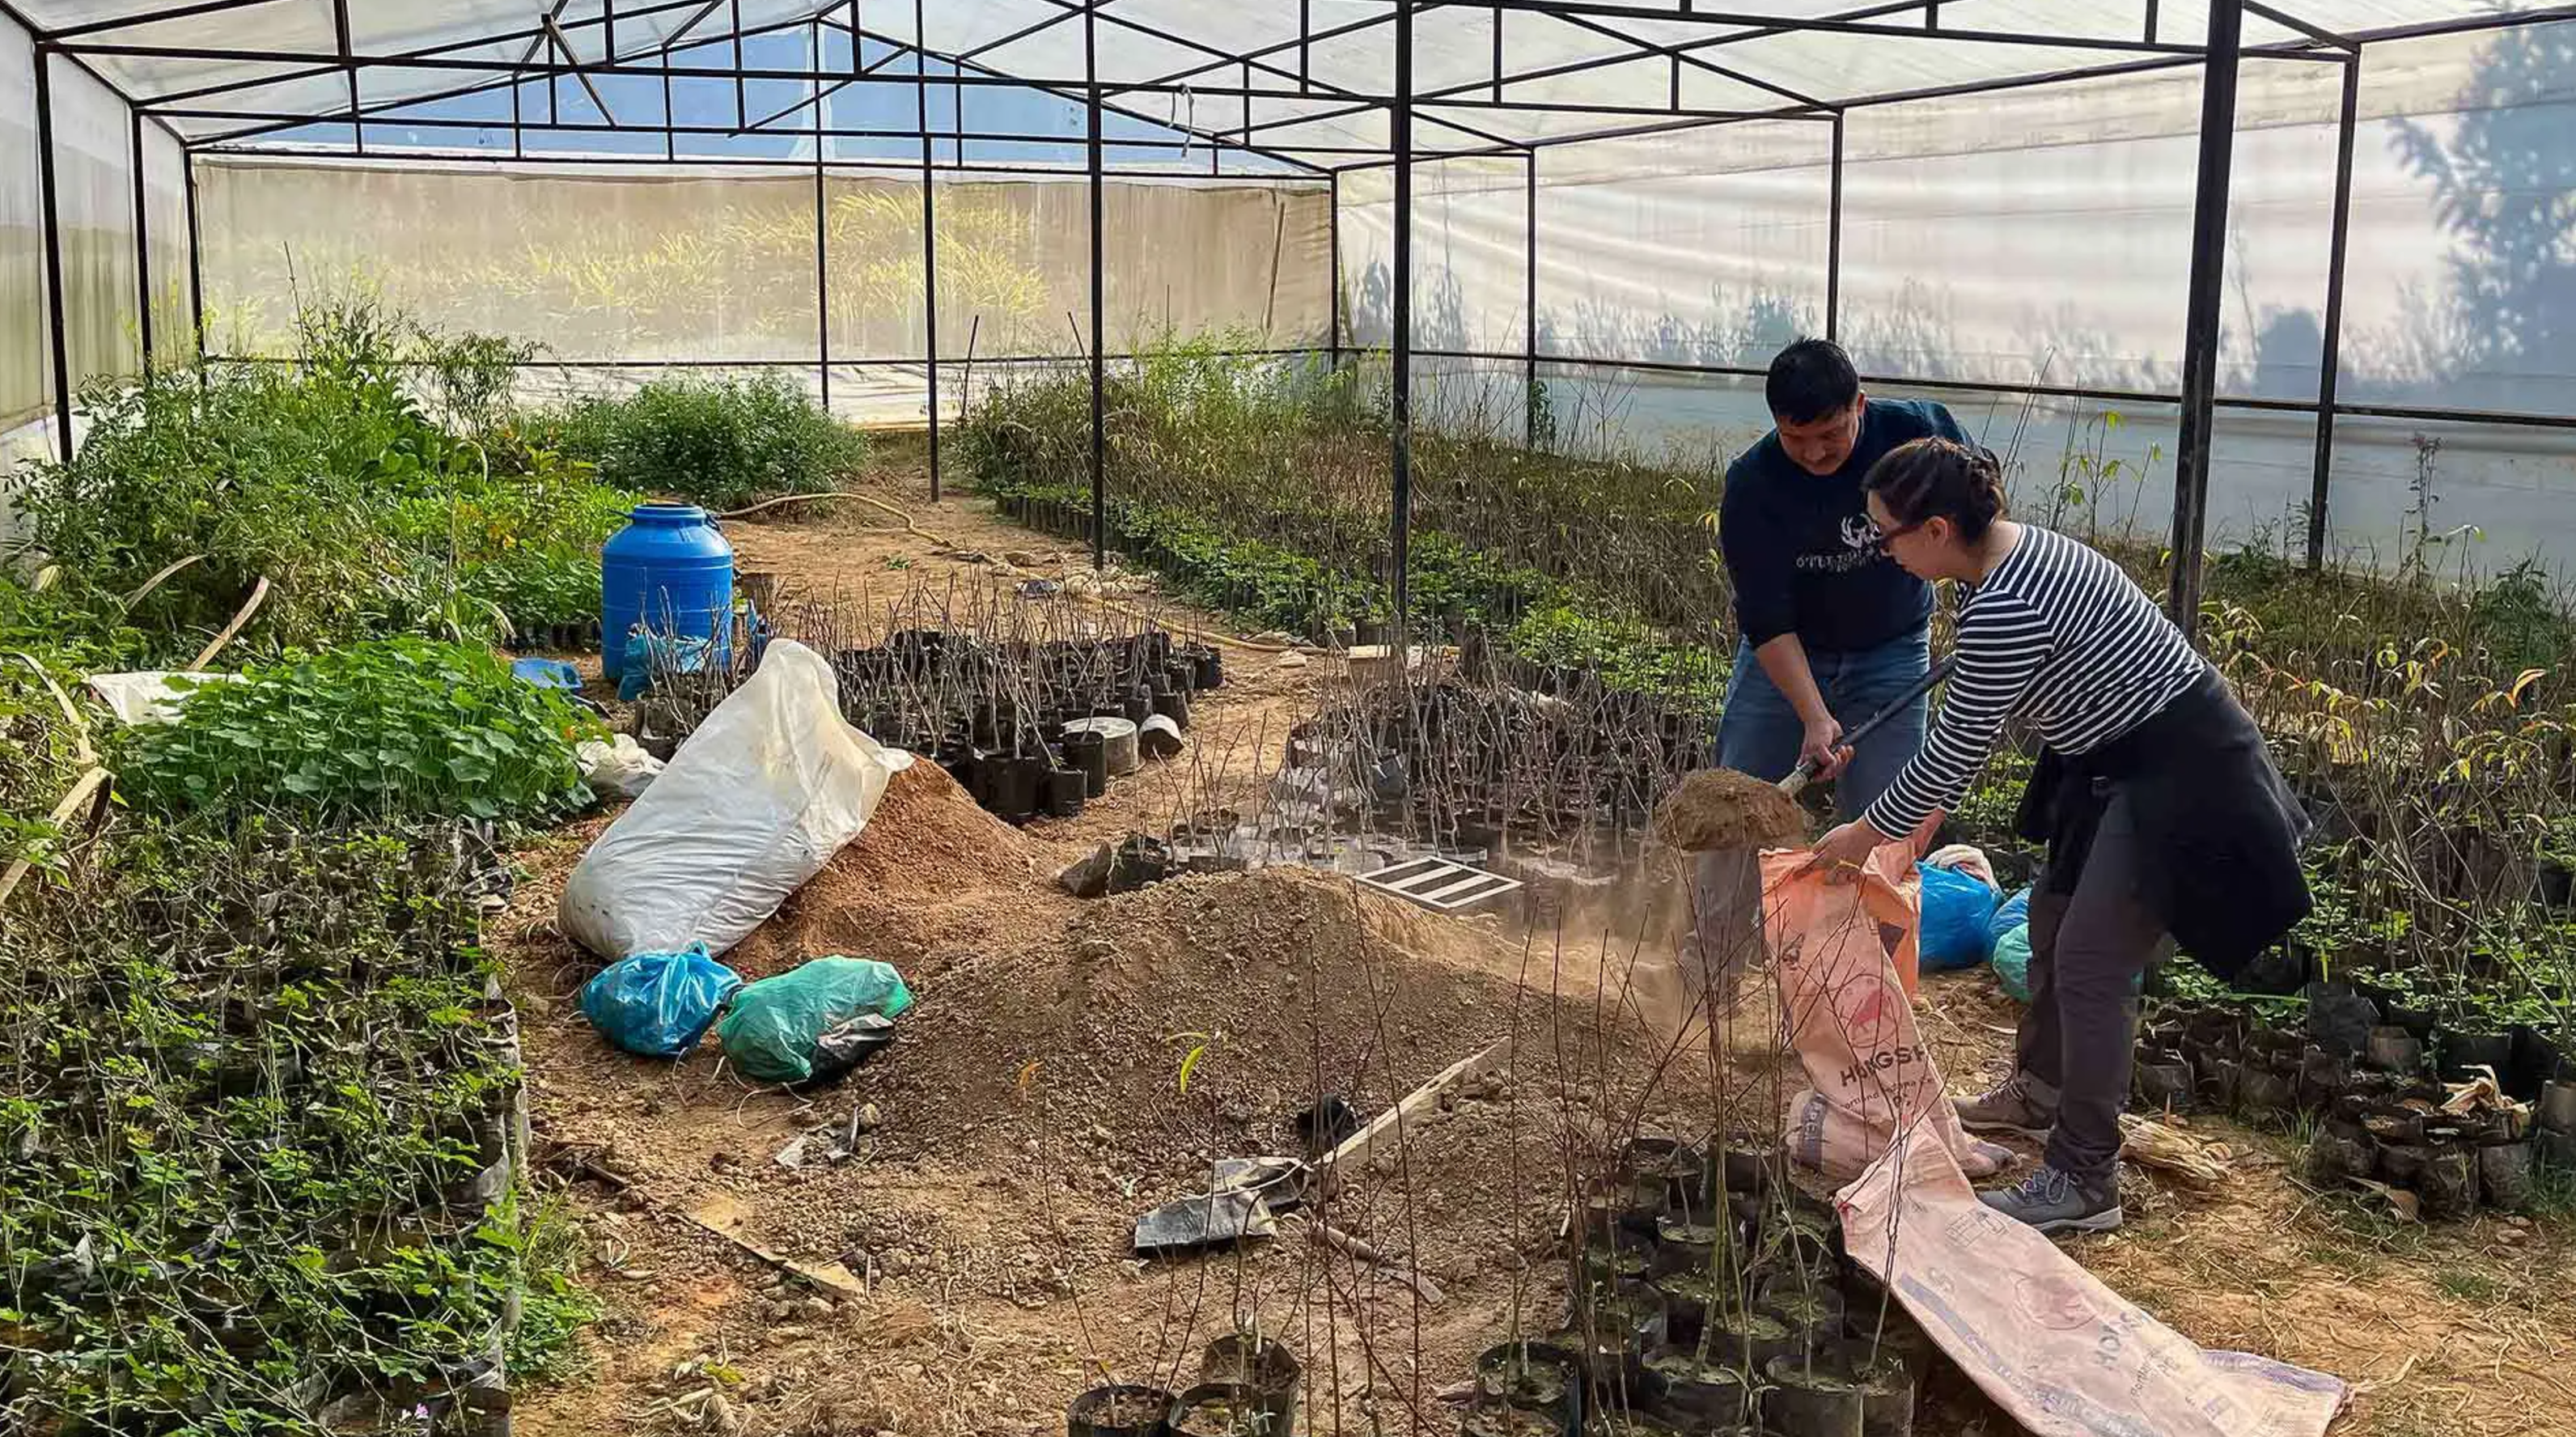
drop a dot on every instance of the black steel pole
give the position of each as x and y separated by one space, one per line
349 64
196 263
1529 303
142 246
929 231
1099 297
1834 238
822 242
1333 271
1400 381
53 255
2330 362
2201 309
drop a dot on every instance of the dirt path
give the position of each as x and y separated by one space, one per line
973 1255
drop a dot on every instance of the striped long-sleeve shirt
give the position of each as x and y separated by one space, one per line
2058 635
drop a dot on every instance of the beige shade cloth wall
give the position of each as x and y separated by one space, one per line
165 213
701 265
26 369
94 202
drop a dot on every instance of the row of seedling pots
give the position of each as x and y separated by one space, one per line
1247 1388
2380 1111
578 637
1713 1297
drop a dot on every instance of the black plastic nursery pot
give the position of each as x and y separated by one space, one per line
1812 1313
2340 1150
1751 1339
2340 1017
1887 1382
2448 1184
1224 1409
2465 1047
1122 1410
1537 1378
1265 1366
1613 1334
1065 788
1684 1246
1174 706
1811 1398
2537 1062
2392 1049
2557 1111
1689 1296
1695 1391
2161 1081
1089 753
2504 1176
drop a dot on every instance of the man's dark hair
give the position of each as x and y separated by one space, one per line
1810 380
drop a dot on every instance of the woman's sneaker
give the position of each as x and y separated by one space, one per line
2023 1105
2051 1201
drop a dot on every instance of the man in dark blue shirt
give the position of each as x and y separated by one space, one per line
1833 629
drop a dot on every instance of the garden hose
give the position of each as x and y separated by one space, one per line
1227 640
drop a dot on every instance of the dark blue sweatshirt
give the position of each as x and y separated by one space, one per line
1800 551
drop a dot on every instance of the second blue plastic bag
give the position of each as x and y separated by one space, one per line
1958 909
658 1004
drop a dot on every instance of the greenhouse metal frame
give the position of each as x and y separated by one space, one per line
1308 106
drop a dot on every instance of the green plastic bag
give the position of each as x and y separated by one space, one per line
814 1021
2012 962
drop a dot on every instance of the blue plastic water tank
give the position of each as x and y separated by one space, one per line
669 570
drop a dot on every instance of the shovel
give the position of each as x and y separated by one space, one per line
1806 769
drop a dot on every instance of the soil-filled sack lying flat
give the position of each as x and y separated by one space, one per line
755 803
2063 1354
1839 952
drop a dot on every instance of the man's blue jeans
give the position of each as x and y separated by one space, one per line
1759 734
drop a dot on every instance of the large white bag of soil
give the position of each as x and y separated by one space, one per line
755 803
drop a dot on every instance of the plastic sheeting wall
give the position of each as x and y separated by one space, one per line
26 368
2044 235
719 265
94 204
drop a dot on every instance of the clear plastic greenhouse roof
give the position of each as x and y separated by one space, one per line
1308 80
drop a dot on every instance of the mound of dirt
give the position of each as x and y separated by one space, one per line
1721 808
919 880
1270 989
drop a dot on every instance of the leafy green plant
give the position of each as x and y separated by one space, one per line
395 728
255 1139
720 444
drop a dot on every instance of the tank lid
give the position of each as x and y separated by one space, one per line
668 513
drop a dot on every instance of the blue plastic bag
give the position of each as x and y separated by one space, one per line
547 673
1958 911
2015 913
659 1004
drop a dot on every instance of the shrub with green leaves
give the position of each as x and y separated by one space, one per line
720 444
397 728
327 478
254 1109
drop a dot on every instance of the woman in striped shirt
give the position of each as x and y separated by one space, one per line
2161 808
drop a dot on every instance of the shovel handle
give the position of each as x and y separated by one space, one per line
1806 770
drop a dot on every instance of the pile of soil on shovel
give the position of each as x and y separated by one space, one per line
1719 808
917 882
